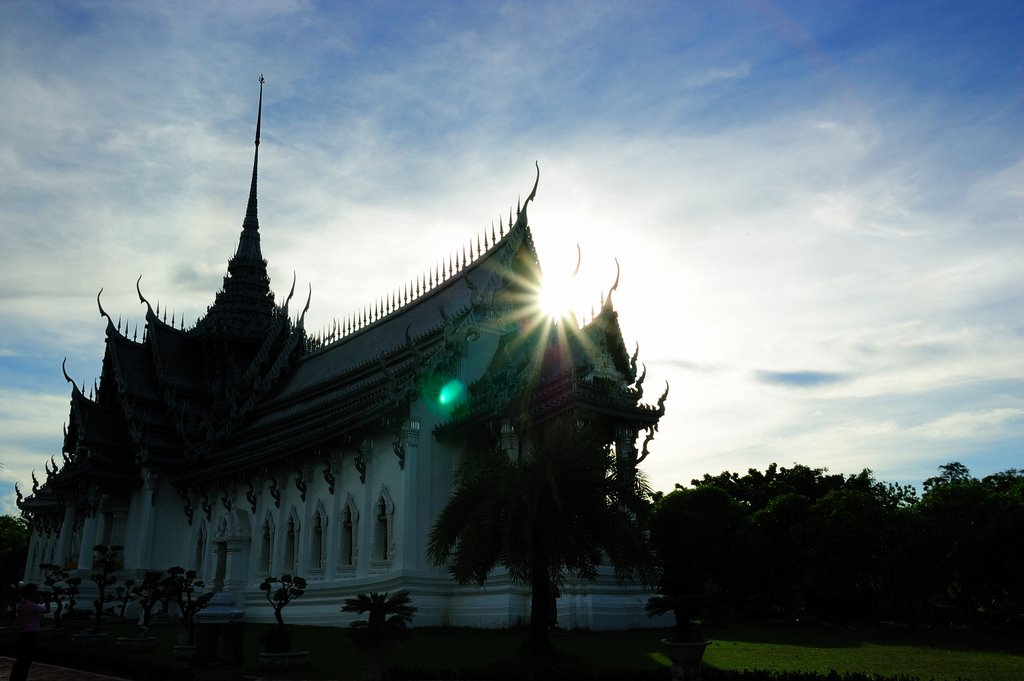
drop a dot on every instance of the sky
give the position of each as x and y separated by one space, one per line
817 207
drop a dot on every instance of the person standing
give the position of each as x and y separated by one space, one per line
30 609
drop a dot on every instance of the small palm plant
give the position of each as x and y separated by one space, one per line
387 617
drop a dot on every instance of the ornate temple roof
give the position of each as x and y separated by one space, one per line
247 385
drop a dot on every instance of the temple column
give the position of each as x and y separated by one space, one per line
625 446
88 541
509 440
67 529
31 561
89 529
142 549
412 539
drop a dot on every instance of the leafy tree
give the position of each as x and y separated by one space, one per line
287 589
756 489
561 508
124 594
60 586
845 537
950 473
108 560
180 586
148 593
14 539
773 547
693 532
972 537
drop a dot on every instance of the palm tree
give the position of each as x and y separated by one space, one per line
387 616
562 509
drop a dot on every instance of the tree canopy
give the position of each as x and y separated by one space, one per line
564 507
818 543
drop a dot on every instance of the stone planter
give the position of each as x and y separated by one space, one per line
184 652
90 639
54 634
686 657
285 662
134 643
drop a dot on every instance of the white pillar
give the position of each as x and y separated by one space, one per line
88 541
413 541
140 552
67 529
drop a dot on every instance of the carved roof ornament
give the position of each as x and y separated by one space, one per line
250 496
103 313
63 368
608 300
521 219
329 476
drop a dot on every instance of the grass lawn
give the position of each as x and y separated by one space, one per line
944 656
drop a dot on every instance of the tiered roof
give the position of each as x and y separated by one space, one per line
247 386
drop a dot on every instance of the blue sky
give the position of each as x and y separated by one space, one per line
817 207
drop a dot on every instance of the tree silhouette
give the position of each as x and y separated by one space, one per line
108 560
561 509
61 586
181 587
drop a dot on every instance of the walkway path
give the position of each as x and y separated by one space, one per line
47 672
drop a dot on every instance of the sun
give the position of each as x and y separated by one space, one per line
556 297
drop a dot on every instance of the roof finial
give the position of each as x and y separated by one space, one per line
103 313
251 220
608 301
521 218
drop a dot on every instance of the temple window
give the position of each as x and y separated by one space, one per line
266 546
291 543
382 538
346 537
317 553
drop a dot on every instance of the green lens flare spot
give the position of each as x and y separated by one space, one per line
451 393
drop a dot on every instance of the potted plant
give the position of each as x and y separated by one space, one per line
60 588
687 642
123 595
147 594
277 653
108 560
180 586
693 531
377 636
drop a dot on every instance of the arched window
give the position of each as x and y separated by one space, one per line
318 540
348 545
266 545
291 543
382 535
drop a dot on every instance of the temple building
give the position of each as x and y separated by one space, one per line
244 446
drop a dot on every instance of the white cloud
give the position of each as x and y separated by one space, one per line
972 425
775 208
